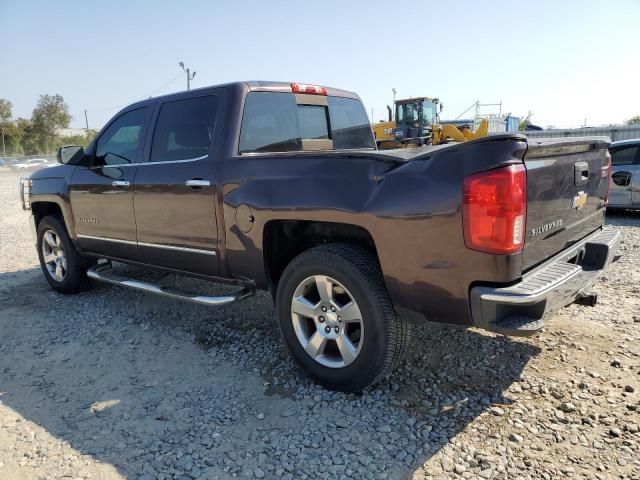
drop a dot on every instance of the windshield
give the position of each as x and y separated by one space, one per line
420 111
428 113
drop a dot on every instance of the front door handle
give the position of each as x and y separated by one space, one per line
622 179
120 183
197 182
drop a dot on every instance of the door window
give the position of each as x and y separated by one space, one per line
121 141
184 130
624 155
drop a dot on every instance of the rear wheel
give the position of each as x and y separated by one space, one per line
63 267
337 319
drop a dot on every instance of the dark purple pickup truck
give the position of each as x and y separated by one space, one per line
279 186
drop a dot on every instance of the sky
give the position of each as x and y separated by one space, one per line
567 62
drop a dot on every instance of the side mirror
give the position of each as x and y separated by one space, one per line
71 154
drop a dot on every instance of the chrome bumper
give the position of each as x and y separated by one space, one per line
520 309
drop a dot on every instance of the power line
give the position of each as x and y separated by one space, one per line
138 98
190 75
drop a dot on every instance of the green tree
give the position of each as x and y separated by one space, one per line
50 114
5 117
83 140
525 121
28 136
12 138
6 108
634 120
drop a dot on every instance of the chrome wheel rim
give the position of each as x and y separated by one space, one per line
327 321
53 256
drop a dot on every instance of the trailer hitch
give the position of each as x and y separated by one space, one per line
588 300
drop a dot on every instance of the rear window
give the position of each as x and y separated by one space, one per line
274 122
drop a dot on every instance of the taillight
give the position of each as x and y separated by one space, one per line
494 209
308 89
606 171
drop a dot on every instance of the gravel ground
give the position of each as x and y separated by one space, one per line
113 384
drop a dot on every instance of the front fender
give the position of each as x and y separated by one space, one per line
51 186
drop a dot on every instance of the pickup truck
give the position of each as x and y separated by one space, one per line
279 186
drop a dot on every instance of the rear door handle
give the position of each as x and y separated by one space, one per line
197 182
120 183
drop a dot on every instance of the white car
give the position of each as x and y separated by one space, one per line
30 165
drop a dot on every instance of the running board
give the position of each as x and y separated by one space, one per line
102 273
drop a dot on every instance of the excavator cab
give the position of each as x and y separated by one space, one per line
415 118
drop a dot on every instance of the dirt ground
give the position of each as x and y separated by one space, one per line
112 384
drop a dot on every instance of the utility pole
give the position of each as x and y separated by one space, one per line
394 103
4 150
189 75
86 120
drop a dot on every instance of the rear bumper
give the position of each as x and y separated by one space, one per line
521 309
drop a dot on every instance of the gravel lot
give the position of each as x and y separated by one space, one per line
113 384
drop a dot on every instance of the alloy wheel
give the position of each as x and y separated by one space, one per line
54 256
327 321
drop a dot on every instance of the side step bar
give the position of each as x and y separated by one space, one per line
102 273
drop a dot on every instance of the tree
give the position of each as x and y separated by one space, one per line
50 114
634 120
12 138
28 137
6 108
83 140
5 116
526 121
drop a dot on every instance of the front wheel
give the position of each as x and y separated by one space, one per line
336 317
63 267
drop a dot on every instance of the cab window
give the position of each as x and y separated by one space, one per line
184 130
121 141
275 122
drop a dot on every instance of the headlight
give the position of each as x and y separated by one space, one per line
25 192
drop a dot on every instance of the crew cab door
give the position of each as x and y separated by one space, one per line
175 188
624 161
101 192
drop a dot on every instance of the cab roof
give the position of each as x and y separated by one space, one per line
253 86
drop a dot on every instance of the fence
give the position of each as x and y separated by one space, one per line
620 132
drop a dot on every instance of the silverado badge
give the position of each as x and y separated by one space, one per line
546 227
579 200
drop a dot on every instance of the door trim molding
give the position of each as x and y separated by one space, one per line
149 163
180 249
116 240
152 245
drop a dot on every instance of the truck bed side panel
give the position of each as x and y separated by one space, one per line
411 210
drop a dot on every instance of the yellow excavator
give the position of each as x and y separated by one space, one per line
417 123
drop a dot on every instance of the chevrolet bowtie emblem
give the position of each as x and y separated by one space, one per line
579 200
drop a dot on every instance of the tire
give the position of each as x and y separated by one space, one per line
53 238
376 335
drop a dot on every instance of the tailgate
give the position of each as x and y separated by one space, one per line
567 182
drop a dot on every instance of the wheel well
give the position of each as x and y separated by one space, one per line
43 209
285 239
